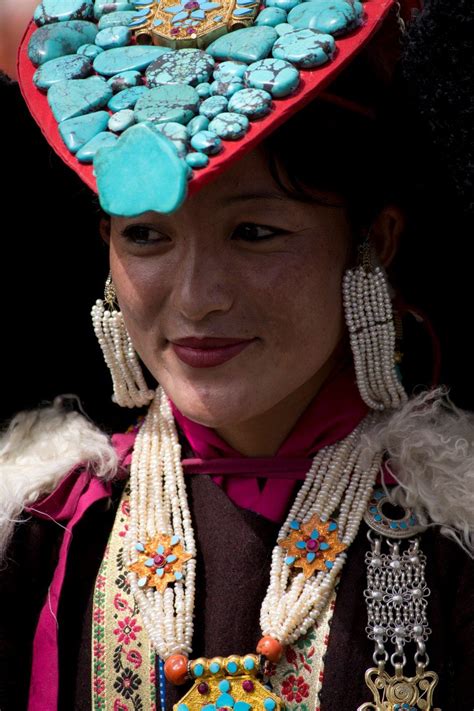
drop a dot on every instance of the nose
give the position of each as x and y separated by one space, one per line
202 283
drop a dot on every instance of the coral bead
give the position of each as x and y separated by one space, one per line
270 648
176 669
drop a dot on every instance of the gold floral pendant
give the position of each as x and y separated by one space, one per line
398 692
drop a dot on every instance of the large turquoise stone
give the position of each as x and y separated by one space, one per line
57 40
63 10
213 106
103 7
112 19
73 66
87 152
334 17
141 172
124 59
271 16
181 66
127 98
246 45
75 132
229 126
169 102
305 48
276 76
124 80
286 5
116 36
253 103
75 97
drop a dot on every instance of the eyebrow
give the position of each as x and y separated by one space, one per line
257 195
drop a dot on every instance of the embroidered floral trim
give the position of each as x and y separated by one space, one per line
123 661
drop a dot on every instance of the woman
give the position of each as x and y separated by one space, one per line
288 562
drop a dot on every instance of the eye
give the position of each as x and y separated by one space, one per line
249 232
138 234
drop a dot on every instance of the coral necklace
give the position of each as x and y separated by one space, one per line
306 562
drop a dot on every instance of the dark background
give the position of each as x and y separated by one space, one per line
54 263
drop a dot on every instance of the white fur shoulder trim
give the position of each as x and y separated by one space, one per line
37 450
430 448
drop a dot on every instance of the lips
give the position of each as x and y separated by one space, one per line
208 357
208 343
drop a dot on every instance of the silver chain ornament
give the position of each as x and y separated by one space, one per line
396 599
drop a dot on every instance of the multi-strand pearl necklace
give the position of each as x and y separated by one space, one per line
337 480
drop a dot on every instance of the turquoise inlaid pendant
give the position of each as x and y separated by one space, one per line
391 519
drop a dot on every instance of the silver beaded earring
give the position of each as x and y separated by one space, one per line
370 321
130 388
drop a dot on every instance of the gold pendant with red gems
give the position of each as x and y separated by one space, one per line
313 545
159 561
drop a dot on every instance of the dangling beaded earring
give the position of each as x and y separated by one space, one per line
370 321
130 388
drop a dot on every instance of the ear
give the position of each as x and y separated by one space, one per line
104 229
386 231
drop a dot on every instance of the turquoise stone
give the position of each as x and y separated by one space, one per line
198 670
246 45
269 704
197 160
229 126
276 76
72 66
206 142
231 668
286 5
295 525
333 17
103 7
178 575
169 102
253 103
181 66
284 28
225 88
332 526
141 172
305 48
89 50
214 666
290 559
183 707
271 16
75 132
229 70
112 19
242 706
324 546
139 546
127 98
124 59
213 106
75 97
198 123
204 90
249 664
63 10
225 700
224 686
124 80
177 133
122 120
57 40
301 544
87 152
328 564
117 36
175 540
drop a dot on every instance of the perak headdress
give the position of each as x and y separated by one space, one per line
148 100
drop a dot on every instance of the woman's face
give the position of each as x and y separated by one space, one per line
240 259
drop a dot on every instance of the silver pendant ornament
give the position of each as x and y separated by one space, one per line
396 598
